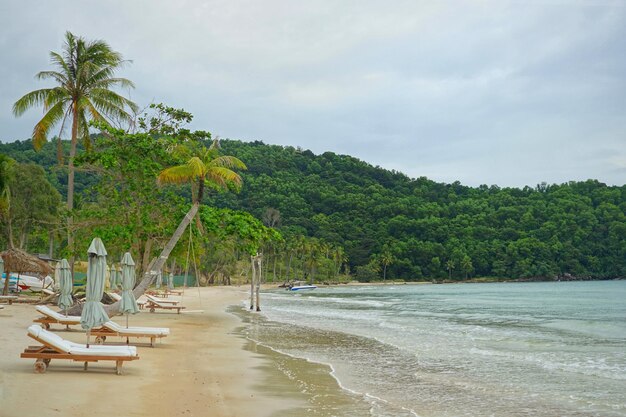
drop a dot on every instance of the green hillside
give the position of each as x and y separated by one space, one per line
418 228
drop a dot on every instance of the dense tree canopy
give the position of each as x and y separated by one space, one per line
332 208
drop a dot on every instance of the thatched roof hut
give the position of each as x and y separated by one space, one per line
16 260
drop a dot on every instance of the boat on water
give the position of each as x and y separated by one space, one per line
23 282
302 287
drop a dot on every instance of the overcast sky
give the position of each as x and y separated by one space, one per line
484 92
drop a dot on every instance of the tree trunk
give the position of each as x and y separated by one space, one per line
10 232
155 266
252 279
50 243
5 290
146 255
70 186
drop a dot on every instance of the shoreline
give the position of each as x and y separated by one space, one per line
205 367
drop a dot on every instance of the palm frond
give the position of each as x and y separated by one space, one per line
28 100
228 162
52 116
196 166
55 75
224 177
176 175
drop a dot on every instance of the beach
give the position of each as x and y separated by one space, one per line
203 368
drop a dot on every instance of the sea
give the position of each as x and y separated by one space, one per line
488 349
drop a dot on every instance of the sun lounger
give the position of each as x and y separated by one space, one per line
115 296
52 317
55 347
154 303
111 328
8 298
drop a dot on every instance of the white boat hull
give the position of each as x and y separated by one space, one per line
27 282
302 288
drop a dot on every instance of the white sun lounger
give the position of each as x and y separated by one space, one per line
111 328
140 302
154 303
55 347
53 317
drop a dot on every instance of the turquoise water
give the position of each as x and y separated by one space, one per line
510 349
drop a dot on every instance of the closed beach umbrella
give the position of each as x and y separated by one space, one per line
170 281
66 285
93 313
112 277
128 304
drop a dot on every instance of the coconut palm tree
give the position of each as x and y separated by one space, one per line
206 168
85 77
386 258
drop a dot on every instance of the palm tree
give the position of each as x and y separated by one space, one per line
206 168
386 258
85 76
450 266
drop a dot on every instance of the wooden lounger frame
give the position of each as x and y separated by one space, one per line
43 355
46 321
171 305
8 298
101 334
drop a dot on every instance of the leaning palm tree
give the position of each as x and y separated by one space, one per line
85 76
205 168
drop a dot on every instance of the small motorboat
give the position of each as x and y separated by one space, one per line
302 287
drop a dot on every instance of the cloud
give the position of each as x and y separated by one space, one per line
506 92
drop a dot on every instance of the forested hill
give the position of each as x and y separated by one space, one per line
432 229
418 228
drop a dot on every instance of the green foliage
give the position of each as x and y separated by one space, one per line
575 228
30 206
336 213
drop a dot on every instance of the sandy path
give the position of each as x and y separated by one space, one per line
201 369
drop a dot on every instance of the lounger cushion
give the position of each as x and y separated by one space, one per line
50 338
157 331
47 311
79 349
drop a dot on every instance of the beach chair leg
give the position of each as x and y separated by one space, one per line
85 366
118 367
40 366
152 342
67 327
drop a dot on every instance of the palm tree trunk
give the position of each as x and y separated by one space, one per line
155 266
70 186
